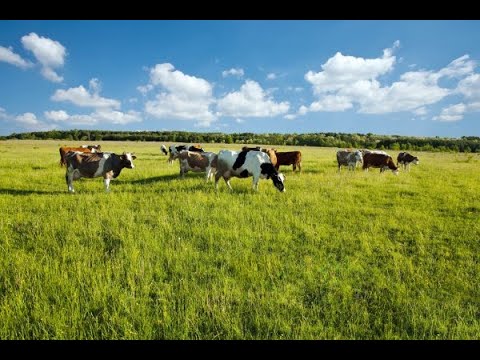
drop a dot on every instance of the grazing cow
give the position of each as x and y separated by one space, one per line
289 158
198 162
65 149
163 148
382 161
174 149
108 165
406 159
247 163
349 158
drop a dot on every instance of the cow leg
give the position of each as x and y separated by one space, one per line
69 180
294 167
106 181
299 167
255 182
217 177
227 181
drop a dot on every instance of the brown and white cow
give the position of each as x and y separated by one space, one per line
93 148
405 159
65 149
197 162
175 149
108 165
349 158
382 161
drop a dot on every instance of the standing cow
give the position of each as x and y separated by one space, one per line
245 164
175 149
293 158
197 162
382 161
405 159
349 159
108 165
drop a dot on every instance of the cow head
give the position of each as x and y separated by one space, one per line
416 161
278 178
127 160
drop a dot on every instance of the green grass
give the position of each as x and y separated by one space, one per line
357 255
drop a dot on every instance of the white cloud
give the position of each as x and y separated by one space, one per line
100 116
271 76
50 53
290 116
144 89
470 87
233 72
250 101
331 103
59 115
420 111
452 113
27 118
81 97
182 96
240 121
346 81
7 55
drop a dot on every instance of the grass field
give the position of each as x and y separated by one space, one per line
357 255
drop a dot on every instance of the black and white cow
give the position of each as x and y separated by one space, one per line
245 164
197 162
91 165
405 159
349 158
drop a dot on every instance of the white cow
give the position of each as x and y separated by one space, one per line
245 164
349 158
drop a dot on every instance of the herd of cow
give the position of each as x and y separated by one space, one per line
259 163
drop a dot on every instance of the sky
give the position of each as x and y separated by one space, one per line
386 77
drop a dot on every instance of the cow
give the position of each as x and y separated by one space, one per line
289 158
198 162
405 159
245 164
65 149
349 158
382 161
108 165
174 149
366 151
163 149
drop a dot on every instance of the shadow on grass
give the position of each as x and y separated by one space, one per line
153 179
28 192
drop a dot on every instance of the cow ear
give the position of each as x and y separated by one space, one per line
134 156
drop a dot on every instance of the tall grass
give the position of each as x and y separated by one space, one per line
350 255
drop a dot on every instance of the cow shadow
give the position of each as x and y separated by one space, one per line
152 180
23 192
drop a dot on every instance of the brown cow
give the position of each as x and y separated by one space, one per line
289 158
65 149
270 152
382 161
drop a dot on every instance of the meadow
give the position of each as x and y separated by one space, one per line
350 255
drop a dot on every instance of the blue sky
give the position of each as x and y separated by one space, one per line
418 78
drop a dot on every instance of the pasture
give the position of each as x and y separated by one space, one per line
355 255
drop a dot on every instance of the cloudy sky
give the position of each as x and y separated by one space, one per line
418 78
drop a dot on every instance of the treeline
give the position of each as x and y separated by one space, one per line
339 140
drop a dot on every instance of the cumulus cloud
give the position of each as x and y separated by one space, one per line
348 82
452 113
181 96
250 101
7 55
27 118
144 89
49 53
59 115
81 97
470 87
100 116
233 72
